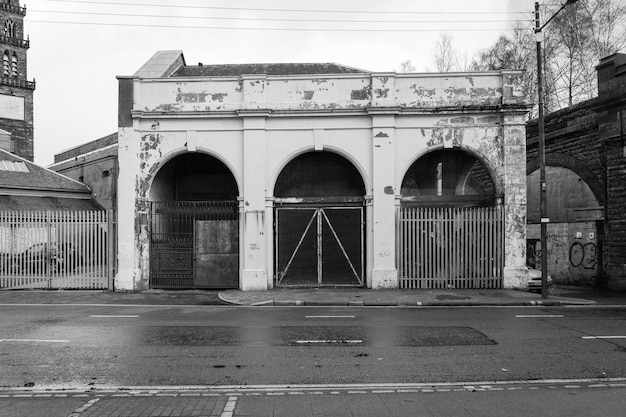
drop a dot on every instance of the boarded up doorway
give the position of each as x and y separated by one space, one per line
319 246
194 225
194 245
319 223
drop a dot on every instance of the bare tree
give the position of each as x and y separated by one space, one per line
574 43
406 66
444 54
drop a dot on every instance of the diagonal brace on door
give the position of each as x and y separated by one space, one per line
343 250
293 255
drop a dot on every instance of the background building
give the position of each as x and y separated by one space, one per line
16 92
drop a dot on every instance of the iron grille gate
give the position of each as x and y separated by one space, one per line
319 246
194 244
56 249
450 247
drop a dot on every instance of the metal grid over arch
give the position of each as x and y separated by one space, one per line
450 247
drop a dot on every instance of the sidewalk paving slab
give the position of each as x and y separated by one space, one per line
348 297
393 297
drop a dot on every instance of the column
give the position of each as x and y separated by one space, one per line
514 161
254 274
384 272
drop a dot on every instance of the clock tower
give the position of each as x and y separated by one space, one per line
16 92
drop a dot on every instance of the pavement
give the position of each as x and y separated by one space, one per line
559 296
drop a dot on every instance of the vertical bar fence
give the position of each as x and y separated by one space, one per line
56 250
450 247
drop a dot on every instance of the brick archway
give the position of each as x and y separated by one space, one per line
576 166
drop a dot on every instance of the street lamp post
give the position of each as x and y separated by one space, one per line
542 149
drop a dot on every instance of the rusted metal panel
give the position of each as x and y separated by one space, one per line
194 244
216 254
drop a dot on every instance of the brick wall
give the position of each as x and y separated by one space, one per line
589 139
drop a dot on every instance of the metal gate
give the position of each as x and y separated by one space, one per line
56 249
450 247
319 246
194 244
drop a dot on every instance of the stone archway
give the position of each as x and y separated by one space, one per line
194 227
320 222
451 224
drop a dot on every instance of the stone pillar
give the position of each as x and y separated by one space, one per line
384 272
514 161
128 273
253 217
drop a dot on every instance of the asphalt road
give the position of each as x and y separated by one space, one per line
86 347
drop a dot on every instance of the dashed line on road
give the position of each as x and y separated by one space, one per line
328 342
229 408
603 337
113 316
538 316
329 317
234 392
35 340
84 408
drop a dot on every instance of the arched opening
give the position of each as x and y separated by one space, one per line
451 178
575 227
451 225
194 227
319 228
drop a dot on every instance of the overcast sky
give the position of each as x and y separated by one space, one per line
78 47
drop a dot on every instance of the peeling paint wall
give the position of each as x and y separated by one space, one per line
330 92
256 124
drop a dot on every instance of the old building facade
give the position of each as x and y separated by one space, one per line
16 92
263 176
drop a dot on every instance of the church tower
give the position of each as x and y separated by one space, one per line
16 92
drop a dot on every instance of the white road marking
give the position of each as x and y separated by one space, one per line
604 337
229 408
115 316
538 316
303 342
35 340
329 317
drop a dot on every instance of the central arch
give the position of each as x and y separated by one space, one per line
320 222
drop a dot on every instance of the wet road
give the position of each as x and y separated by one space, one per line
112 346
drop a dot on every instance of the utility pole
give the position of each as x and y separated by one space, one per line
542 149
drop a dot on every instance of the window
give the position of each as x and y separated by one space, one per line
16 166
5 64
9 28
14 65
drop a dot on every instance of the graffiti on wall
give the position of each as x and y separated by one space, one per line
583 255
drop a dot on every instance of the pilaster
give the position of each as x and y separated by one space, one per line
514 160
384 272
254 274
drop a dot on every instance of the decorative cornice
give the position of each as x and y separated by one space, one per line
16 82
17 42
13 8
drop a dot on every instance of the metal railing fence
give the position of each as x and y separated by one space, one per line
450 247
56 249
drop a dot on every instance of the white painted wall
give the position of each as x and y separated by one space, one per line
380 122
